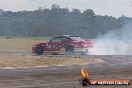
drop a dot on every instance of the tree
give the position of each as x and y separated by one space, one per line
57 21
89 13
55 6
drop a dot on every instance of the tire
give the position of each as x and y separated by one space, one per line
70 50
39 50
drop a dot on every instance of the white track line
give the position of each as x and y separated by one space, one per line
44 66
8 68
23 67
39 66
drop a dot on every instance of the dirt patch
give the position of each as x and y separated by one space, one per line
33 61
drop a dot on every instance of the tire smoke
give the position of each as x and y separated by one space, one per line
116 42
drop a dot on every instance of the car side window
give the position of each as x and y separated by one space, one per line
56 40
65 39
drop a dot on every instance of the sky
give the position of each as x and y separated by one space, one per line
114 8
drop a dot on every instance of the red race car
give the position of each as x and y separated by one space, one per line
65 44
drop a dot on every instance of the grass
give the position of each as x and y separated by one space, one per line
20 43
33 38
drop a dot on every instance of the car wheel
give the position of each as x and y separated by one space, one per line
39 50
70 50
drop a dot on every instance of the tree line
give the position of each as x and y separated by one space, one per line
57 21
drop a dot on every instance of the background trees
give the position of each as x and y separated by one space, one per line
57 21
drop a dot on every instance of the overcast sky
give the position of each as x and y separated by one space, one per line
114 8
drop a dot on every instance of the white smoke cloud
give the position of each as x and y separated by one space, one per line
118 42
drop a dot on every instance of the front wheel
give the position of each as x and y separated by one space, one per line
39 50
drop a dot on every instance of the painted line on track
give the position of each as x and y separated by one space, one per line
44 66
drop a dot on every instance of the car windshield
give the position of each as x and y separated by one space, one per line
57 39
77 38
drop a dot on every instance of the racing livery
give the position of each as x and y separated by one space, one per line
65 44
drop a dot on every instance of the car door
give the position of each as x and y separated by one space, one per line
55 45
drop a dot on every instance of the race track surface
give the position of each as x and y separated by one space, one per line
114 67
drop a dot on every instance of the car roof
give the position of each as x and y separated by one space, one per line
68 36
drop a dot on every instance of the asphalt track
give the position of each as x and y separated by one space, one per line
115 67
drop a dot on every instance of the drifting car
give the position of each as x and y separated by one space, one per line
64 44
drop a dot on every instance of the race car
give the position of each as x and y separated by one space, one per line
64 44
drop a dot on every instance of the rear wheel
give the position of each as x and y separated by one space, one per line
70 50
39 50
